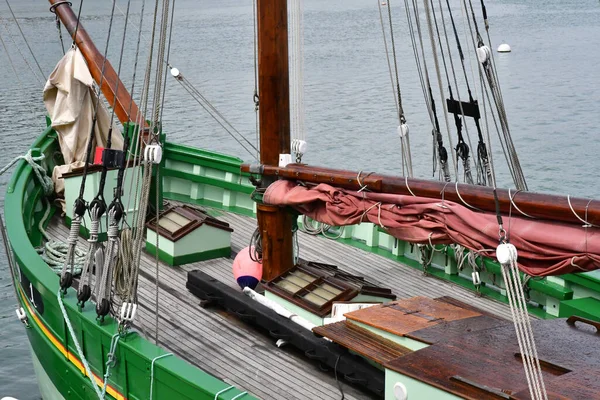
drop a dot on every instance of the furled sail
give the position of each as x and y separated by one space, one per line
545 248
71 102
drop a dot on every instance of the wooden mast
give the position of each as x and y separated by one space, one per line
543 206
94 59
275 223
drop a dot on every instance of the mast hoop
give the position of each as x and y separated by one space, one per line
59 3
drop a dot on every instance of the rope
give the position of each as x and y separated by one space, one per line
439 80
54 253
105 281
521 320
296 32
320 229
78 346
152 373
215 114
58 24
220 392
8 32
255 97
442 154
84 290
24 38
111 360
406 157
39 171
122 273
462 149
10 61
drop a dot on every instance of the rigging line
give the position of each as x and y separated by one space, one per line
489 143
24 38
138 127
400 108
135 64
185 81
220 123
402 129
255 96
442 152
94 120
58 24
389 65
417 59
10 61
168 56
456 86
482 150
440 85
387 55
156 101
74 44
112 114
138 145
8 32
157 181
142 205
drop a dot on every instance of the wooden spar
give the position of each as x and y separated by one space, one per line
94 59
275 223
537 205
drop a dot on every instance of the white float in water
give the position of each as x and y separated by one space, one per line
175 72
504 48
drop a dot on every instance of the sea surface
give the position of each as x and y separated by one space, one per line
550 83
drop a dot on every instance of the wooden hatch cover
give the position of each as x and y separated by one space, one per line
487 364
362 341
409 315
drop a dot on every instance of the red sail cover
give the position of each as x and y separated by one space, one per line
545 248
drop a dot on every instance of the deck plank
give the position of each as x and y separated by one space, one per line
244 356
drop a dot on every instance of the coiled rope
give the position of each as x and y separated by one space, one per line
53 252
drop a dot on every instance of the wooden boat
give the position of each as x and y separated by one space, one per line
440 340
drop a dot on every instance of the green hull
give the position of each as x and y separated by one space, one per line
203 178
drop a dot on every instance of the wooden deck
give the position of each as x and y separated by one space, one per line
235 352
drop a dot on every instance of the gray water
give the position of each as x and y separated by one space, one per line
550 82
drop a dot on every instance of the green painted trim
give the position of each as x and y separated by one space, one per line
441 274
588 307
206 158
583 280
206 180
188 258
208 203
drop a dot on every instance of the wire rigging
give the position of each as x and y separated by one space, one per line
24 38
439 151
462 148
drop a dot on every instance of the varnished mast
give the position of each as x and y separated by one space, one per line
94 60
275 223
